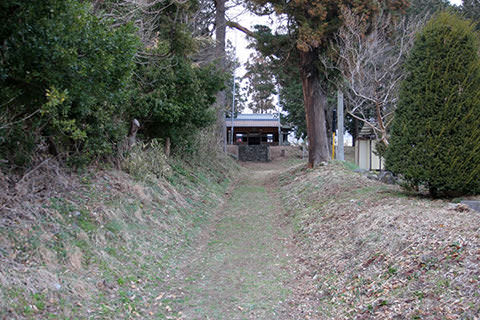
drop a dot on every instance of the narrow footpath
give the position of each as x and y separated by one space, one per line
240 268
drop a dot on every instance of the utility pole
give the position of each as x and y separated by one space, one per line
233 108
232 135
280 137
225 133
340 122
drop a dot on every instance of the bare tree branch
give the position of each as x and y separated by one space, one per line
19 121
369 58
237 26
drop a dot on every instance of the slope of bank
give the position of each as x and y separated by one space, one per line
368 250
101 244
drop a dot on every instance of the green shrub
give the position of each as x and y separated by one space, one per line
175 100
64 79
67 84
435 138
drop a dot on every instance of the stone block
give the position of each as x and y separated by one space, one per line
258 153
474 205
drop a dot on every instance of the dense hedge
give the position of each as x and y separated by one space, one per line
70 70
71 81
175 100
435 138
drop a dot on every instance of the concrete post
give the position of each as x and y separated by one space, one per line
232 136
340 122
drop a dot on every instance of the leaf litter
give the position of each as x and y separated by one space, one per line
366 250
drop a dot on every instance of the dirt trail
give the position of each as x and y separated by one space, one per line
239 270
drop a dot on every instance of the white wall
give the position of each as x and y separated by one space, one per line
364 156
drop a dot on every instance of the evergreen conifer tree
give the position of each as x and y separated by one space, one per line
435 138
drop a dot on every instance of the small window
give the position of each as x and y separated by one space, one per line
269 138
238 138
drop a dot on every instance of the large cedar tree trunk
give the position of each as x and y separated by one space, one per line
220 31
315 101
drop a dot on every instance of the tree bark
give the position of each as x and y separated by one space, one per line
329 119
315 101
220 33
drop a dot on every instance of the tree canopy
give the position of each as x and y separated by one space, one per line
310 25
261 84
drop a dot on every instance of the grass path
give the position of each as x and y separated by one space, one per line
240 267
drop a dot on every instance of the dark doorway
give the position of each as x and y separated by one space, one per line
255 140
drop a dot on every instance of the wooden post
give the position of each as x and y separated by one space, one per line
167 147
132 133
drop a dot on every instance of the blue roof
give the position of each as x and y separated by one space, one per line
257 117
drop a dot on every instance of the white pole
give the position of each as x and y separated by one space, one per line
340 121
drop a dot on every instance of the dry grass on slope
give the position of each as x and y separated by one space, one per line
370 251
100 244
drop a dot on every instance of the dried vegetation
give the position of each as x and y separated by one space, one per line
101 244
370 251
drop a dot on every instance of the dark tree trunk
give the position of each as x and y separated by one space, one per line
220 32
315 101
329 120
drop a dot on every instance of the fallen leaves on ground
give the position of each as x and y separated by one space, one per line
368 250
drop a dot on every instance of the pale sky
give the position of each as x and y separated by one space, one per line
240 40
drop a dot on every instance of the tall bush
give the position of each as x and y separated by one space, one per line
435 138
174 100
64 79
